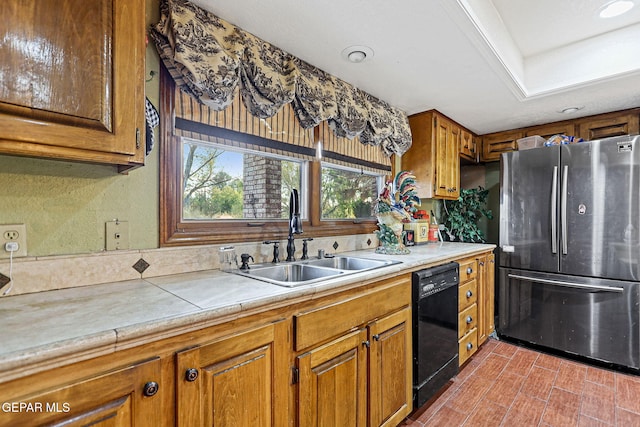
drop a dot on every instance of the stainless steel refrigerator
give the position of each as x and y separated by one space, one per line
569 252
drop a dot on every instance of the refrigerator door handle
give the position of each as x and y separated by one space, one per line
563 208
554 211
592 288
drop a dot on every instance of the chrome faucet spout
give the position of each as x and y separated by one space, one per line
295 223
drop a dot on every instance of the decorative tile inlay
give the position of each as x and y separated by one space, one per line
3 280
369 242
141 266
335 246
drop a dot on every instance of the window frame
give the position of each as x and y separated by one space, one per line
176 231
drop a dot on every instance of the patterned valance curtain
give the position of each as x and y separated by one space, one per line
210 59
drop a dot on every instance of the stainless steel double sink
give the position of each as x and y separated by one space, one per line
300 273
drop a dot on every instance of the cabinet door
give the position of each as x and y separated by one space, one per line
390 369
333 383
113 399
447 166
468 146
72 79
486 293
235 381
547 131
609 125
497 143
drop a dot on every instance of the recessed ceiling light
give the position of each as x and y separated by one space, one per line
570 110
357 54
615 8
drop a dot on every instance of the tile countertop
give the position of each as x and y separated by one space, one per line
48 329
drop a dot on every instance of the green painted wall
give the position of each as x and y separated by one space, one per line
65 205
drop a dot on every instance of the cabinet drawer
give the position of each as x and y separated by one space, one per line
467 294
468 269
467 320
467 346
320 324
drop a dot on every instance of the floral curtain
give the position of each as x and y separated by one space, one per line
210 59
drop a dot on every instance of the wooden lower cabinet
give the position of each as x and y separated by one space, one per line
128 396
355 366
390 369
362 378
486 296
333 383
239 380
475 303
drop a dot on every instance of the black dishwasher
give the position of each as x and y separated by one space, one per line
435 330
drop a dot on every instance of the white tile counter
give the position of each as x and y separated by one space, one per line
43 330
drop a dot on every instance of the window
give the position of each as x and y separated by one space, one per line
209 163
220 183
347 193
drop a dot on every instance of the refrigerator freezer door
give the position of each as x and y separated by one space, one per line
528 208
595 318
600 209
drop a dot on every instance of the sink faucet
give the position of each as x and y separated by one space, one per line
295 223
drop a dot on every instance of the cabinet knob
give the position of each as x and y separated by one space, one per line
366 343
469 319
191 375
376 337
150 388
469 294
469 346
469 270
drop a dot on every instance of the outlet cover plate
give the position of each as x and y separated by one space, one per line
13 233
117 235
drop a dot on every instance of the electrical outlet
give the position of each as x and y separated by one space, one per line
12 235
117 235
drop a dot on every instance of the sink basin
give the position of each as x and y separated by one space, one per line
290 274
311 271
349 263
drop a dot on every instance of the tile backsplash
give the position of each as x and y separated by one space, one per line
38 274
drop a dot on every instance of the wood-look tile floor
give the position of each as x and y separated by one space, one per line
508 385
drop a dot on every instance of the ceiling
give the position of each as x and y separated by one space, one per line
490 65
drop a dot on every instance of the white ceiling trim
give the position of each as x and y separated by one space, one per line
581 64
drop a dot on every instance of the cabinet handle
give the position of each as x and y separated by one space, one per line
469 319
469 294
137 138
366 343
481 263
191 375
469 346
469 270
376 337
150 388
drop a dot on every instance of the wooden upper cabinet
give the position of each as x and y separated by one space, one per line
72 80
497 143
547 131
468 149
607 125
434 156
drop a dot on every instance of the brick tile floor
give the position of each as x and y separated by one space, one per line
508 385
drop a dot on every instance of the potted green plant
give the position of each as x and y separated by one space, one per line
462 215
